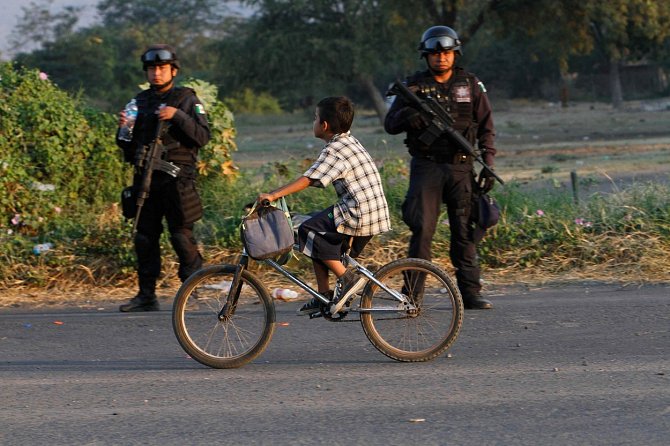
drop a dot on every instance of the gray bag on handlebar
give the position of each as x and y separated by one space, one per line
267 231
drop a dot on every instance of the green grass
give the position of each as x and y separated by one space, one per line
619 236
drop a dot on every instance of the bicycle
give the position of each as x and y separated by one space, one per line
410 310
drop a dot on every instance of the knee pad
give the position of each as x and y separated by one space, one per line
145 242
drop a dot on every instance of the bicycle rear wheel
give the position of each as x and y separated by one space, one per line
234 341
412 335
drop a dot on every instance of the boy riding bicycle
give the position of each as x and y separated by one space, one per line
360 212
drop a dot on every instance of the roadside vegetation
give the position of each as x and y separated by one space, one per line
61 174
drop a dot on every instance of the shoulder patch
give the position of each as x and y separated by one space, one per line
482 88
199 109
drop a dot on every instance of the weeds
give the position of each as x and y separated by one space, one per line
541 236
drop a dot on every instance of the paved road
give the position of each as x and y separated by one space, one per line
587 365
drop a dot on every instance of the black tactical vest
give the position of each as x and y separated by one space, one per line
147 103
456 97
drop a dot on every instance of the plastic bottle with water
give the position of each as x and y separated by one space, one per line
284 294
126 132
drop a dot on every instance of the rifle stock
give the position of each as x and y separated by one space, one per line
440 123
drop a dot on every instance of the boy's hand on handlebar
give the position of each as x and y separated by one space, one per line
264 197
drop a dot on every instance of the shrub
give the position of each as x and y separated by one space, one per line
54 152
249 102
60 178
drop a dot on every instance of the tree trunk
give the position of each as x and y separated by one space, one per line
615 83
373 93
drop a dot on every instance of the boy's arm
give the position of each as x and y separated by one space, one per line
287 189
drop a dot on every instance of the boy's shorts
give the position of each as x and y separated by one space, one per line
318 238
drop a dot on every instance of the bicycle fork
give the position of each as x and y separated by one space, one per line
234 293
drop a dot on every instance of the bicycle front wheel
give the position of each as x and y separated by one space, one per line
412 335
231 342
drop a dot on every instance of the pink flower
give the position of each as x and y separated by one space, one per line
539 212
43 76
57 210
582 222
16 219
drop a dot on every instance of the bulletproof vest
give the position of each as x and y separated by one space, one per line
147 121
455 97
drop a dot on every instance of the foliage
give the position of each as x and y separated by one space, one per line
60 177
216 157
313 48
547 231
319 48
248 102
53 150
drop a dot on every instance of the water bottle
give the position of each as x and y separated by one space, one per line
284 294
41 248
126 132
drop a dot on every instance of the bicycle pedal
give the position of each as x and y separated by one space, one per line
315 315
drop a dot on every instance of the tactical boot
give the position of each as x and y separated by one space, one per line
476 302
140 303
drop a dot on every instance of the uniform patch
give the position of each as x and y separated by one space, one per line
462 93
481 86
199 109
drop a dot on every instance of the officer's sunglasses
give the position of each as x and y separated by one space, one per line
157 56
444 42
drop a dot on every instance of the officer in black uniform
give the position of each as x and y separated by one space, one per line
173 194
440 173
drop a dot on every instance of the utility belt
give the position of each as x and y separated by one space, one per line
458 158
441 152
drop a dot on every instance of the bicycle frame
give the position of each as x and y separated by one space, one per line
229 308
410 310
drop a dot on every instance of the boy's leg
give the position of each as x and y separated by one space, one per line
322 286
349 282
321 273
335 266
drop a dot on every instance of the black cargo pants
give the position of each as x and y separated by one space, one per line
164 202
431 184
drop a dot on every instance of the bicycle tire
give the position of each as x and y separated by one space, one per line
401 334
222 344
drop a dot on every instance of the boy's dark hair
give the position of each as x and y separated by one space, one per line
338 112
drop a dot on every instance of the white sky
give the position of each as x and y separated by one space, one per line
11 11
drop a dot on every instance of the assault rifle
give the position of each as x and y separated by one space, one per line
439 123
151 161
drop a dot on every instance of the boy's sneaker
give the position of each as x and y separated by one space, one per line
347 285
312 306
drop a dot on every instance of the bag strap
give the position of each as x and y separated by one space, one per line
279 204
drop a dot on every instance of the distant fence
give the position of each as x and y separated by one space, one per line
637 82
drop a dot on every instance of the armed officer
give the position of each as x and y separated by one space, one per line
441 173
173 192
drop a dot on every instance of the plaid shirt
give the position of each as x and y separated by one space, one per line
361 209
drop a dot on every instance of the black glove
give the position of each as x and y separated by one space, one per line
413 119
486 181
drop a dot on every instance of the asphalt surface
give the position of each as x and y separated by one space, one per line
570 365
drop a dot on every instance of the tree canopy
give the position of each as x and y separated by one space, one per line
299 50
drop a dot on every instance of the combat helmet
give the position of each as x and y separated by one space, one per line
159 54
439 38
